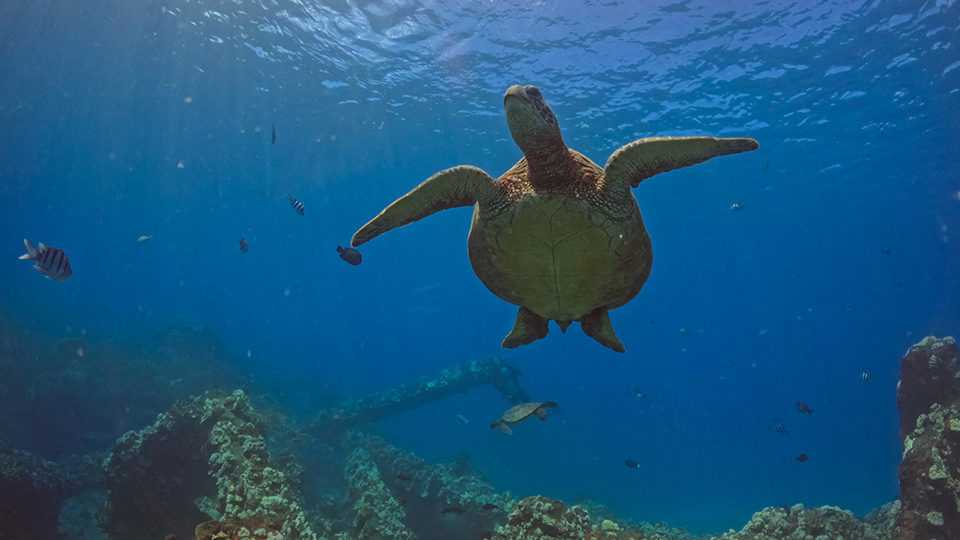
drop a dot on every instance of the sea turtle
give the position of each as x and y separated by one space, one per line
519 413
556 234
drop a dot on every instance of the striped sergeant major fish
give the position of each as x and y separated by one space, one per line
865 377
297 205
782 430
736 207
804 408
51 262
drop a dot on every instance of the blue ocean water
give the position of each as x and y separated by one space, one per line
122 119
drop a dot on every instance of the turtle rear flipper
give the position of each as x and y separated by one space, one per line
541 411
635 162
528 328
460 186
596 324
502 426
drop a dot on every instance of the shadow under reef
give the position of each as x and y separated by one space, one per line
203 470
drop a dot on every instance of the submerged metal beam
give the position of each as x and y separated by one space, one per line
372 407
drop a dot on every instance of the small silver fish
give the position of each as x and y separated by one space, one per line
144 239
297 205
51 262
736 207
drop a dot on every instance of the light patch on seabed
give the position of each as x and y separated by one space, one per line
333 84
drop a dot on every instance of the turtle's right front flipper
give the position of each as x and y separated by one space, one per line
460 186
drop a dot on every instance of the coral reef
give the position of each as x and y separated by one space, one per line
394 494
929 401
824 523
250 528
539 517
31 491
205 458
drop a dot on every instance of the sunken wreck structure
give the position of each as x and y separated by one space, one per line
203 470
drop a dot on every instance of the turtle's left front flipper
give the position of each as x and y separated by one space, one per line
639 160
460 186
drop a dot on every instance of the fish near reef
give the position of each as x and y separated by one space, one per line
50 262
244 247
804 408
350 255
454 509
404 477
519 413
556 235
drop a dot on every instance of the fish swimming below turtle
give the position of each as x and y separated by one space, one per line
519 413
556 235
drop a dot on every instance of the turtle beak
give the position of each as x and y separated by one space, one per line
515 91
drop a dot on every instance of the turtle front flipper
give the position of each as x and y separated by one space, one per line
460 186
528 328
596 324
639 160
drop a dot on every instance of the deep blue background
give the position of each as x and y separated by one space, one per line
855 107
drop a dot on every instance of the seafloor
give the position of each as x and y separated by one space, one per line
223 463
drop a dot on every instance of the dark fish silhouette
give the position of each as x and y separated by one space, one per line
51 262
490 506
487 535
243 246
403 477
550 530
297 205
273 134
630 463
801 458
454 510
782 430
350 255
803 407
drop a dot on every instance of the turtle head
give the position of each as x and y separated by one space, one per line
533 125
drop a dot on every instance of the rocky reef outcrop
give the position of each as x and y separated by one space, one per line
204 459
928 398
824 523
32 489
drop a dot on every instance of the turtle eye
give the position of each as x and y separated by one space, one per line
533 92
